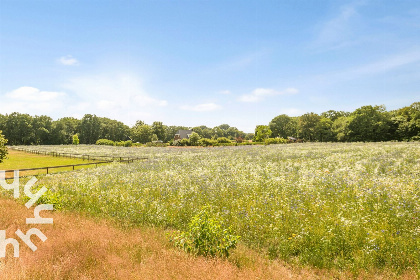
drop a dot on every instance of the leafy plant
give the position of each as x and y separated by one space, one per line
76 140
206 236
3 149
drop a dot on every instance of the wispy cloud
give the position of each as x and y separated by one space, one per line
68 60
225 92
391 63
33 94
338 31
261 93
206 107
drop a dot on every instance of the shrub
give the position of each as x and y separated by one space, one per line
205 142
105 142
3 149
76 140
182 142
156 144
206 236
223 140
277 140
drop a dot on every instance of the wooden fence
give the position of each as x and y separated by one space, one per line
82 156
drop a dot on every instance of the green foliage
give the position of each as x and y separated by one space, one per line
222 140
158 129
182 142
76 139
90 129
142 133
124 143
194 138
262 132
308 124
3 148
369 123
283 126
206 236
206 142
105 142
277 140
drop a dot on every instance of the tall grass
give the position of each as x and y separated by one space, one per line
347 206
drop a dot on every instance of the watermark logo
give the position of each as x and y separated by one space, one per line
37 219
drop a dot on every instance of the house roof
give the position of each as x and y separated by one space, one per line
184 133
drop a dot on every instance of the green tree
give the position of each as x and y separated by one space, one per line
307 126
323 130
142 133
90 129
283 126
62 130
3 148
262 132
18 129
159 129
194 137
370 123
340 128
42 128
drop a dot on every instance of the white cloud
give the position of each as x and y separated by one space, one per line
114 95
68 60
32 101
260 93
226 92
33 94
206 107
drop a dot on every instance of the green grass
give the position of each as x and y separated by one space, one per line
23 160
349 206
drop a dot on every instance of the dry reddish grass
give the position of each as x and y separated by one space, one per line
84 248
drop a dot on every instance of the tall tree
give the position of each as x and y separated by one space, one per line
90 129
370 123
18 129
307 126
159 129
283 126
42 128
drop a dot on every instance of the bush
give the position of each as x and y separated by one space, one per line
156 144
3 149
277 140
105 142
206 236
76 139
182 142
223 140
205 142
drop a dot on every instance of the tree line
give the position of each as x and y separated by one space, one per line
367 123
24 129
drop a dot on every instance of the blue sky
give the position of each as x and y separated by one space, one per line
207 62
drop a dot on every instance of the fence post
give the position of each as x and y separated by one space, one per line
47 170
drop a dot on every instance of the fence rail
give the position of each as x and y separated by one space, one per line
84 156
75 155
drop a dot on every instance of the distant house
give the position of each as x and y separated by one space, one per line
182 134
292 139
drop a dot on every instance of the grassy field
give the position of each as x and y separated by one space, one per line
22 160
348 207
